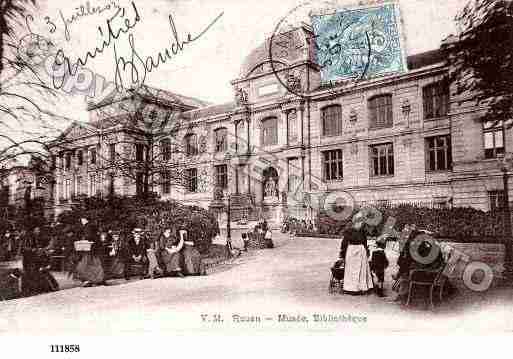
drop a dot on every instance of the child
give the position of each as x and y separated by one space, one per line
268 239
378 265
245 240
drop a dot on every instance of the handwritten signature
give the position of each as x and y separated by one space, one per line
138 67
113 34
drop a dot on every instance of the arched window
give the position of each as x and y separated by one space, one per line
380 111
332 120
270 131
191 144
221 140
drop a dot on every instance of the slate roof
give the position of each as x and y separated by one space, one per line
425 59
165 96
210 111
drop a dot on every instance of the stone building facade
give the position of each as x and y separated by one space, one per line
288 142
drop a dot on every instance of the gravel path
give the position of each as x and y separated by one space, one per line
290 280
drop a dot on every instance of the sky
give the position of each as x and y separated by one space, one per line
205 67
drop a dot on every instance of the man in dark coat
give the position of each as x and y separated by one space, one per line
136 254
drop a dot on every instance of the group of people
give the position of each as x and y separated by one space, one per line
365 272
263 231
172 253
294 225
11 243
93 255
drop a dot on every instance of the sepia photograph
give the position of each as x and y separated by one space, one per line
258 167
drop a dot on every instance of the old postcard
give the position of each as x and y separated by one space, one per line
255 167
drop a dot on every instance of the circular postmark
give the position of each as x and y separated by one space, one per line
343 46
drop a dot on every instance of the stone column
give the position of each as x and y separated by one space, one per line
284 128
301 110
302 164
248 138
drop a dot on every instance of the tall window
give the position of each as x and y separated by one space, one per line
496 199
439 157
92 185
67 189
436 99
493 138
241 136
192 179
191 145
221 176
139 183
78 184
332 120
67 159
166 182
292 125
380 111
165 149
332 165
53 162
92 155
112 152
382 159
221 141
139 152
112 183
294 171
80 157
270 131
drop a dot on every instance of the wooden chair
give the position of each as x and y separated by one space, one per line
434 279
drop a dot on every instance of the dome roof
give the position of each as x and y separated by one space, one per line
288 48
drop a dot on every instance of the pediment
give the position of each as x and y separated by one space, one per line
77 130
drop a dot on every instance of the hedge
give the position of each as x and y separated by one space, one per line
458 224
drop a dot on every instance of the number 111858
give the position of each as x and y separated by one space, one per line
57 348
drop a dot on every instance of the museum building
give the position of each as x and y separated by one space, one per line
287 141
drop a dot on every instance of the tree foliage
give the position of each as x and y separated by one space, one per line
481 58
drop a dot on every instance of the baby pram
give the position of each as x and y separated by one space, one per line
337 277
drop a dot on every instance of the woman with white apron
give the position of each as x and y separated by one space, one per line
357 274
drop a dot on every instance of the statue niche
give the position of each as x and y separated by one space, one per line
270 185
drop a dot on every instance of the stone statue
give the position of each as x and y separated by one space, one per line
241 96
218 194
271 188
293 82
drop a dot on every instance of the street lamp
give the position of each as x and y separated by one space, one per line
508 264
229 220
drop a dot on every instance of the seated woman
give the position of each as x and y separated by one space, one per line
192 257
171 252
136 257
89 268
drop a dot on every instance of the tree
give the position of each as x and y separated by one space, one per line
10 12
481 57
145 148
28 100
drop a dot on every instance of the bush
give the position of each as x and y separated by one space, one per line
124 213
